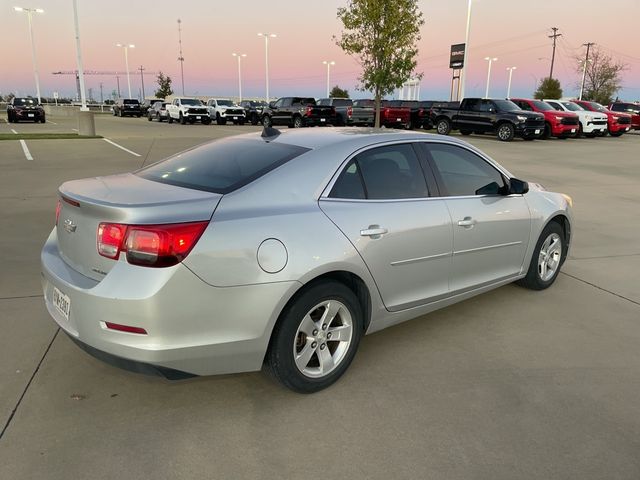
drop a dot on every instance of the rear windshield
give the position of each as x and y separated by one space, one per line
24 101
130 102
341 102
364 103
221 166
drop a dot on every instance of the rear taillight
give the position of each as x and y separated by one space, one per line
149 245
58 209
349 112
309 111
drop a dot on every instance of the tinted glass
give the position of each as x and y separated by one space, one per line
349 183
597 107
472 105
341 102
24 101
572 106
392 172
225 103
129 101
221 166
487 106
542 106
555 106
464 173
618 107
505 105
364 103
191 101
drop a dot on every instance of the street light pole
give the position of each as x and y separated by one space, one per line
491 60
465 65
239 57
328 64
584 68
83 97
126 47
511 69
30 12
266 59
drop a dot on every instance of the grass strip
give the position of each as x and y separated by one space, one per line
45 136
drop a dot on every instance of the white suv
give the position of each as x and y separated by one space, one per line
591 123
222 110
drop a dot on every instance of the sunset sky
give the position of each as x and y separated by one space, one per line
514 31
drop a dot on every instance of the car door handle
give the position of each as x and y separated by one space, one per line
466 222
374 231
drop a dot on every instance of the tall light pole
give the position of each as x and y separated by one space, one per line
126 47
266 59
511 69
30 12
490 60
465 65
83 97
584 68
239 57
328 64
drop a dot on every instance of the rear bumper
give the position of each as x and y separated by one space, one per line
33 115
192 327
314 121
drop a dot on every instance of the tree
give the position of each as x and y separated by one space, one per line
164 86
602 78
337 92
548 88
383 36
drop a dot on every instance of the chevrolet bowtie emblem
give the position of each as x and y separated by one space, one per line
69 226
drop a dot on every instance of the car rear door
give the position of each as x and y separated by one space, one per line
380 201
490 229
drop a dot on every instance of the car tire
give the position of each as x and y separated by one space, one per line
465 132
546 133
43 120
241 122
297 122
579 133
206 121
506 132
149 117
548 256
443 126
616 134
266 121
183 119
302 356
170 119
254 119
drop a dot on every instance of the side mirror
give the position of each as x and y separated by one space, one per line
272 105
518 187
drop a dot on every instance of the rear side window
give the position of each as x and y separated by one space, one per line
382 173
221 166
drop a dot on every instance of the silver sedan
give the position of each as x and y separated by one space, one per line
284 249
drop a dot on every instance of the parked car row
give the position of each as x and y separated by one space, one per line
530 119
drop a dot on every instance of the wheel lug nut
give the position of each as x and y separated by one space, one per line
324 326
329 335
314 344
323 346
315 332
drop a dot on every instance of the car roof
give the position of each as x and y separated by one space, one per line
314 138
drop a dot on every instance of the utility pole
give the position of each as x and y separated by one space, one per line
553 55
101 96
584 68
181 58
142 69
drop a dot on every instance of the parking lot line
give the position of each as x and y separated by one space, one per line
26 151
49 121
121 147
14 131
74 129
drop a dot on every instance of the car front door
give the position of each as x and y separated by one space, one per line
279 114
380 201
490 228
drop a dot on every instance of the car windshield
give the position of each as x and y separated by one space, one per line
505 105
191 101
574 107
221 166
597 107
130 101
542 106
225 103
24 101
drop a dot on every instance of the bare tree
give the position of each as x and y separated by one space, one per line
603 76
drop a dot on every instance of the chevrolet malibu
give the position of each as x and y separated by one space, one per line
284 249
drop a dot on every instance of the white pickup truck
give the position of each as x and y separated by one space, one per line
185 110
591 123
222 110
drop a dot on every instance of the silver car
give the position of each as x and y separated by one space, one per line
284 249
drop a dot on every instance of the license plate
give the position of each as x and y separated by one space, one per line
537 131
30 114
62 303
399 119
626 129
235 118
323 119
198 118
573 130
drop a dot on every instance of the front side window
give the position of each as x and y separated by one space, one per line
463 173
556 106
383 173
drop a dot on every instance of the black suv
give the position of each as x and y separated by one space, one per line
253 110
127 107
21 108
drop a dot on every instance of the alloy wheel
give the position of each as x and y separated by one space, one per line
549 257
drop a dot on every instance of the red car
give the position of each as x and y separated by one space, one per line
556 124
390 116
617 123
632 109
